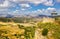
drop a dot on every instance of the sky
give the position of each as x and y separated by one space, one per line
29 7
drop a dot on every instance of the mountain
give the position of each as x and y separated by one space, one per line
28 16
9 16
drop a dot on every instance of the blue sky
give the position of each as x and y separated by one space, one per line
30 7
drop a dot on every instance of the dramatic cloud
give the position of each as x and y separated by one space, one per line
4 3
24 6
50 9
36 2
6 6
49 3
47 11
7 3
25 3
45 2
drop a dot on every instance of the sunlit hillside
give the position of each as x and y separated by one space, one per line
47 28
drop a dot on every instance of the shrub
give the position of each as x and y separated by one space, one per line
45 32
21 26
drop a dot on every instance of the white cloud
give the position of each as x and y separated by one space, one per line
3 12
51 9
47 11
45 2
36 2
4 4
22 9
17 0
24 5
34 13
7 3
49 3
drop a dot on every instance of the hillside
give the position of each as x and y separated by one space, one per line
38 30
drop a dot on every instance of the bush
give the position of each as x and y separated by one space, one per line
21 26
29 32
45 32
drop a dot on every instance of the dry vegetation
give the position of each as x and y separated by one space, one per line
12 30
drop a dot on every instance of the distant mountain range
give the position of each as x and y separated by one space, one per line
37 16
